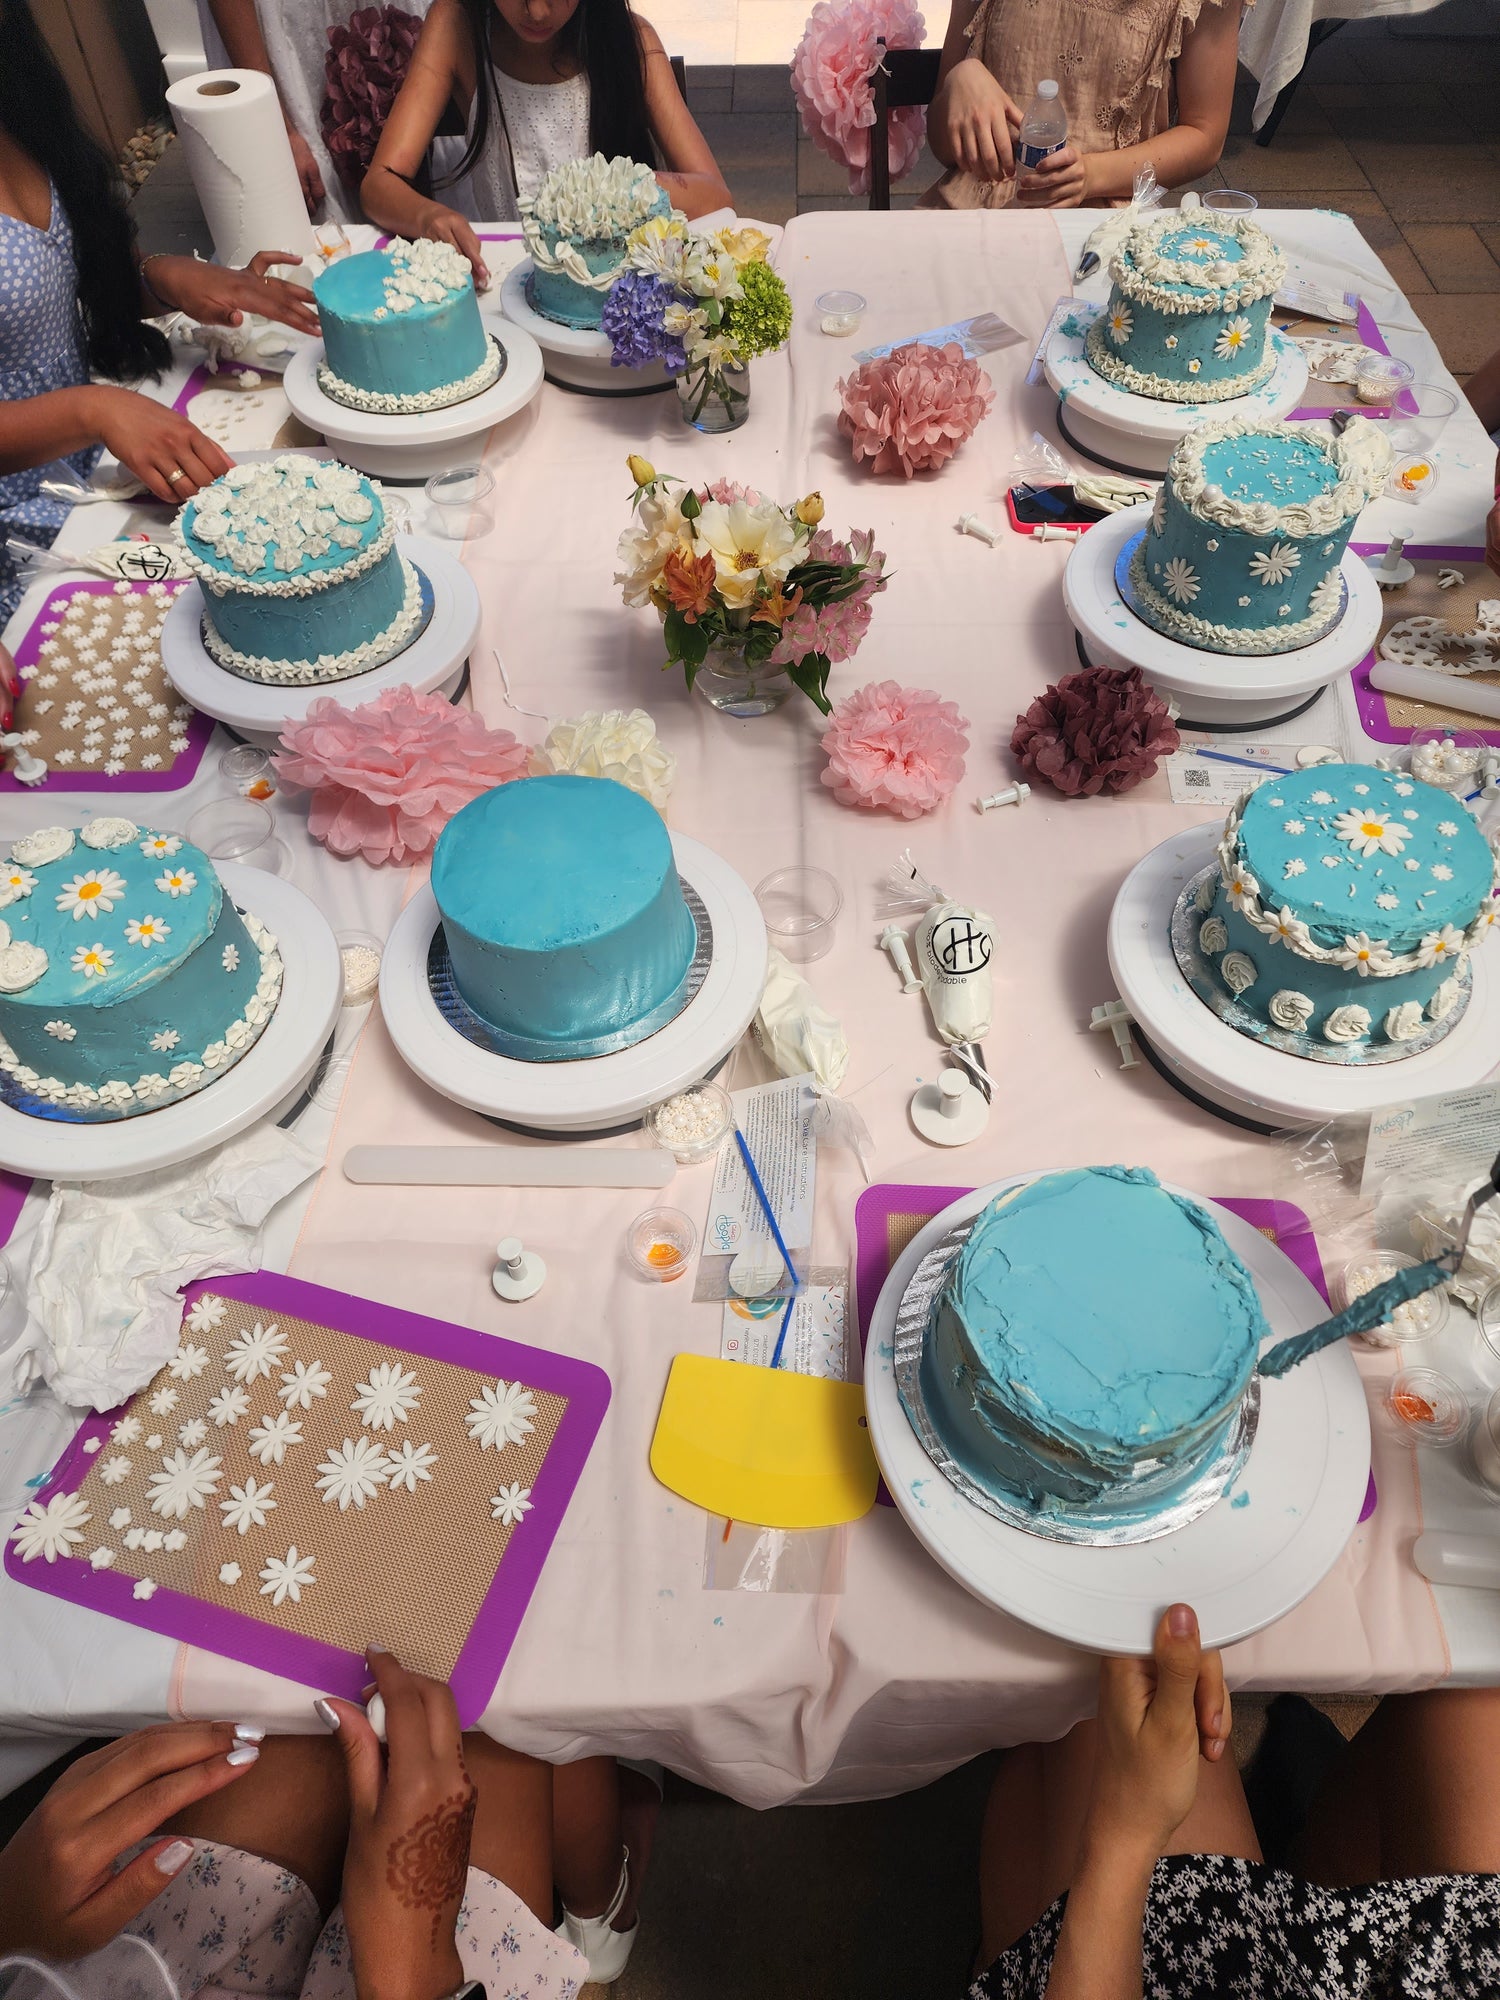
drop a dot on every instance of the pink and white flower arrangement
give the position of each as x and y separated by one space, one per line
910 410
831 70
895 749
387 777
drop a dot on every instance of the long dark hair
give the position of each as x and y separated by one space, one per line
600 42
37 113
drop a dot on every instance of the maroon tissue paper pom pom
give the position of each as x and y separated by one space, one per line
363 70
1101 730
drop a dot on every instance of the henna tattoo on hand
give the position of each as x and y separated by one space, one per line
428 1864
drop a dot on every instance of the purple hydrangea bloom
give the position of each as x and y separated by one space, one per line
632 319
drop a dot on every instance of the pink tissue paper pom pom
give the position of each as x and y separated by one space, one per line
893 747
831 70
387 777
912 409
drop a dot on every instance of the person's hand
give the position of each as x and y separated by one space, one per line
308 171
410 1818
978 121
158 445
60 1896
1059 181
1492 537
1156 1718
446 225
216 295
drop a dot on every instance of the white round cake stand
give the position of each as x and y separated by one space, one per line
604 1091
575 357
1256 1084
1242 1565
1212 690
260 712
1137 433
263 1084
413 447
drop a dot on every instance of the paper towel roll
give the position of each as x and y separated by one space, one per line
232 132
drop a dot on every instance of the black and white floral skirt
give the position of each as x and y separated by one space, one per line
1222 1929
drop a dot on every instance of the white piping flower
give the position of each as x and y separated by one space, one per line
1370 832
86 895
1363 955
1440 947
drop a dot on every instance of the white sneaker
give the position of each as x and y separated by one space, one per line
606 1949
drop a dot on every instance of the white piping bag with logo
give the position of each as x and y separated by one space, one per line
953 945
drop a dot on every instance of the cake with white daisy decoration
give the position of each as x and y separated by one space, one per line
1344 908
302 581
401 330
1189 309
128 979
1248 531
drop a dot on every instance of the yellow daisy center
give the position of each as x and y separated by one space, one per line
1374 828
88 890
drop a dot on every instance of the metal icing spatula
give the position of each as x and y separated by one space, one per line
1374 1308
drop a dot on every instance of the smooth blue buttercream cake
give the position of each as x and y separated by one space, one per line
401 330
576 226
1189 308
565 922
302 581
1095 1335
1346 901
128 979
1248 531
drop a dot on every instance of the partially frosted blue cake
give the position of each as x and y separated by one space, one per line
1346 902
401 330
127 977
1095 1335
576 226
564 918
1189 307
302 581
1248 531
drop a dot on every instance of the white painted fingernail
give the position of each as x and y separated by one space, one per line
174 1857
249 1732
245 1754
327 1714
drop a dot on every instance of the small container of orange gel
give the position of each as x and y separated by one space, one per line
661 1243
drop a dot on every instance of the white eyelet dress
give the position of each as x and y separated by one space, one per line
547 125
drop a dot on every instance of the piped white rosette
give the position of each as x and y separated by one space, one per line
1148 275
594 201
291 510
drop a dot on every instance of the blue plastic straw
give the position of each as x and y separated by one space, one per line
786 1256
1253 763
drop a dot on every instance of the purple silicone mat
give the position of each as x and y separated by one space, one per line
1370 336
181 771
1284 1224
298 1657
1374 715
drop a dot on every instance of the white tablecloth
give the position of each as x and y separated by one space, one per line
891 1674
1274 36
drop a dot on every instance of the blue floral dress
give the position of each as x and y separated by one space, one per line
41 348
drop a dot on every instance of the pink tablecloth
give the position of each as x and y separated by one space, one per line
898 1675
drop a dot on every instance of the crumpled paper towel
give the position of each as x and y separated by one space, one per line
100 1302
796 1031
1435 1225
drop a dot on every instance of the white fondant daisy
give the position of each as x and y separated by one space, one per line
1180 580
15 884
135 1538
177 881
166 1040
193 1432
1440 947
184 1482
307 1381
120 1519
1447 829
248 1505
51 1530
1296 866
231 957
116 1470
1386 901
501 1415
228 1406
92 960
1274 565
127 1431
145 1590
152 1541
164 1402
1170 342
146 930
1321 798
153 1443
92 1445
159 846
511 1504
63 1031
101 1558
387 1398
1120 324
1242 889
253 1354
1232 338
174 1540
230 1573
1363 955
352 1472
1441 872
1402 790
1294 826
407 1463
1412 867
287 1576
87 895
1370 832
188 1363
270 1438
1194 365
1289 929
207 1310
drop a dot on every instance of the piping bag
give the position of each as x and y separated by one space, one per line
953 943
1375 1307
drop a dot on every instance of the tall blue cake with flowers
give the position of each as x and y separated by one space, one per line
1189 309
302 581
576 227
1248 530
1090 1345
1344 908
401 330
128 980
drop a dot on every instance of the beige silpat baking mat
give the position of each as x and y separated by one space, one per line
312 1473
1390 718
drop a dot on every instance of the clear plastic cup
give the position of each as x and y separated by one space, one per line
239 830
457 499
1426 1407
1484 1445
839 313
1229 201
660 1244
674 1124
1415 436
1418 1319
1451 759
247 770
801 908
360 952
1380 378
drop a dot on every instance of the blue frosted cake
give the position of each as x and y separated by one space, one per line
302 581
563 915
128 979
1248 531
1189 307
576 226
1345 903
401 330
1091 1344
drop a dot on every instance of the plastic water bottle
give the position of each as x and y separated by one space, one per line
1044 128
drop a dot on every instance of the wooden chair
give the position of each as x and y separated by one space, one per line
902 76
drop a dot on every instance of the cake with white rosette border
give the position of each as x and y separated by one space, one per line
302 581
1345 904
128 980
1248 531
577 225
